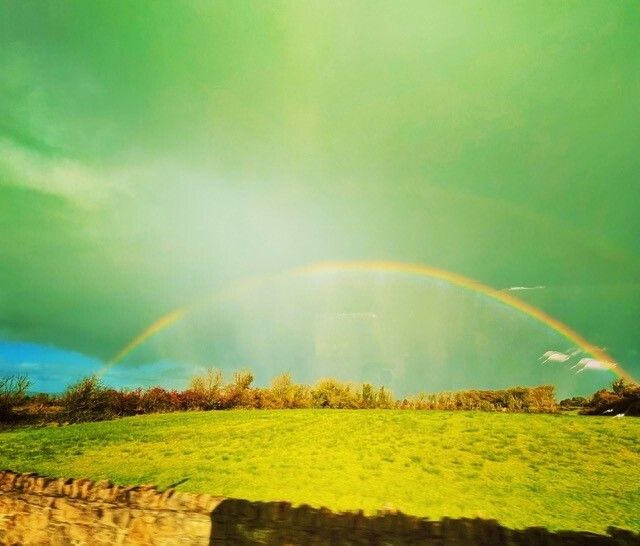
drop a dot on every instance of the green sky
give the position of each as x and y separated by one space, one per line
155 152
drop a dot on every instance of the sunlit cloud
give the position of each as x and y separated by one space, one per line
554 356
62 176
592 364
558 356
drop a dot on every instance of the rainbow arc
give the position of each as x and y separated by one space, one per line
393 267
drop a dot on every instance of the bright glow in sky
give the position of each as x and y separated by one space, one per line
154 153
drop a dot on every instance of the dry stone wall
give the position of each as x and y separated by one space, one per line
39 510
35 510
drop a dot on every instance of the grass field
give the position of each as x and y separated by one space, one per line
559 471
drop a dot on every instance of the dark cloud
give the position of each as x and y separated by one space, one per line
154 153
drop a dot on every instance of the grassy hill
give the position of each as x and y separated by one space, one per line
559 471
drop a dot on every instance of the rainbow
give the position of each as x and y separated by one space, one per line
163 322
395 267
170 318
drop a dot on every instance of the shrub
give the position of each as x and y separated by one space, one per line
205 391
384 399
541 399
284 393
622 398
575 402
239 392
159 400
331 393
620 387
191 399
529 399
13 392
281 391
367 396
123 403
89 399
86 400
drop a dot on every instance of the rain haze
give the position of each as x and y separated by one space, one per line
180 158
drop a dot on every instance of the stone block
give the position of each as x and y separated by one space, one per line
37 510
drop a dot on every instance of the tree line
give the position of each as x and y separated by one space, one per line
90 399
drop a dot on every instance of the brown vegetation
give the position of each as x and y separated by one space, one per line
527 399
622 399
91 400
13 392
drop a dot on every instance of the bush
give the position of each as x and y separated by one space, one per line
86 400
540 399
159 400
123 403
367 396
384 399
528 399
13 392
205 391
284 393
331 393
239 393
623 398
191 400
576 402
90 400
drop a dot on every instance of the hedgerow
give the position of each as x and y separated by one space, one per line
90 399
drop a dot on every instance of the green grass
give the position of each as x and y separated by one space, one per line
559 471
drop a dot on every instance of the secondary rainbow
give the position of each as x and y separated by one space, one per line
394 267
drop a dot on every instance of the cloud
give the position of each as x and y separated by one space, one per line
592 364
52 369
516 288
69 178
554 356
232 174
